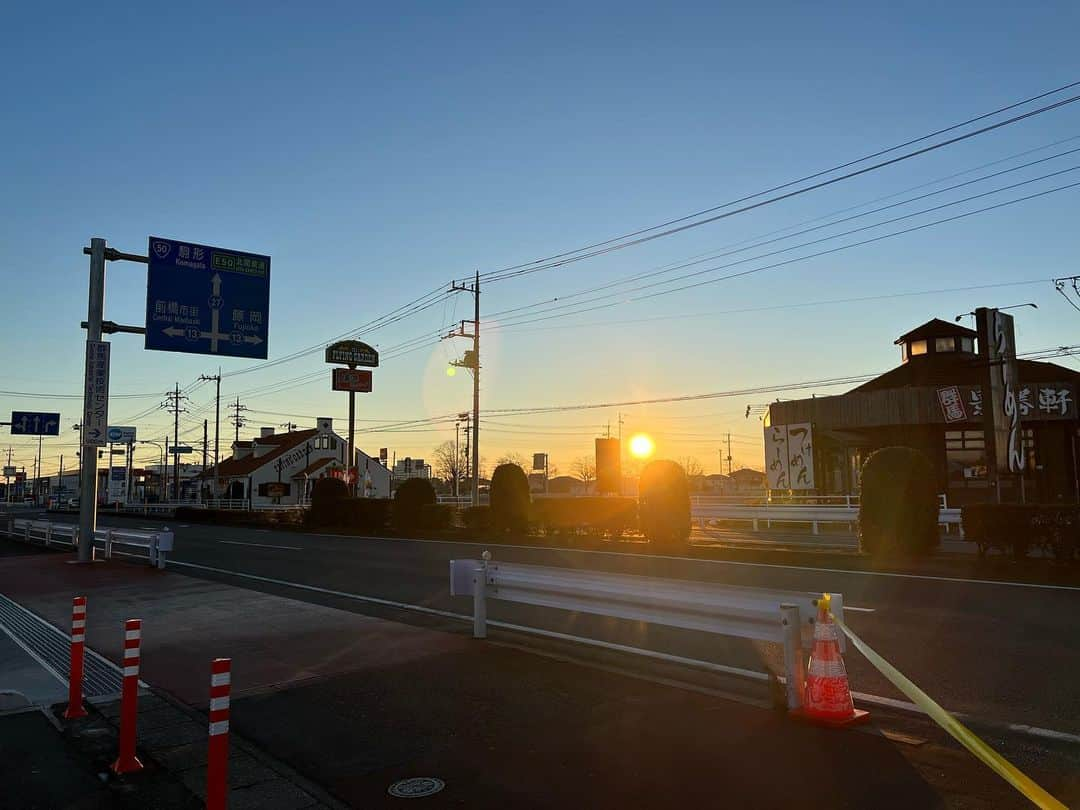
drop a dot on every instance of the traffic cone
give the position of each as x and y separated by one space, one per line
827 698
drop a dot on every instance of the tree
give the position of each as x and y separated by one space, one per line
584 468
691 466
449 462
510 458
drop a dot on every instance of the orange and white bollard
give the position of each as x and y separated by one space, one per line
217 758
75 708
127 762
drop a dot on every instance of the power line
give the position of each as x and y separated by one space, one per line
500 275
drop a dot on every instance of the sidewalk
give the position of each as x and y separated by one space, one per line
355 704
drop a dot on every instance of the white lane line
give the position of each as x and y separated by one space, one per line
1034 731
928 577
859 609
261 545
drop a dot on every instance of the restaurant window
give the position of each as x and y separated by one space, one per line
903 352
944 344
967 345
965 458
918 347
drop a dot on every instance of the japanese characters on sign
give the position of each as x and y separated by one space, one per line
1001 416
207 300
789 456
95 421
952 406
1033 401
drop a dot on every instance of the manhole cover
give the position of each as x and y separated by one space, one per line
416 787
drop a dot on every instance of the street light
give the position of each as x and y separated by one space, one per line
963 315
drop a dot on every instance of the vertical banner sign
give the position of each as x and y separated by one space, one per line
776 457
800 456
1001 405
95 421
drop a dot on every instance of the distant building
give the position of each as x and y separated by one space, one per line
748 481
282 468
411 468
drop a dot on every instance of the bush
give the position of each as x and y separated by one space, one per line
613 515
327 497
409 501
509 499
898 505
664 503
437 516
1016 528
476 518
365 514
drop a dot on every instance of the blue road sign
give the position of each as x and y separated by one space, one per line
31 423
207 300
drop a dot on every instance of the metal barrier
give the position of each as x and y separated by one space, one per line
781 617
156 545
703 511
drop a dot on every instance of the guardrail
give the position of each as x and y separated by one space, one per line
703 511
781 617
156 544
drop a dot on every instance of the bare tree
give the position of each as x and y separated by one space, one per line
691 466
511 458
584 468
449 464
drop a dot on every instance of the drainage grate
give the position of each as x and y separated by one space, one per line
101 677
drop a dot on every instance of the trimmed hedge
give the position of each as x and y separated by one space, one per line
436 516
476 518
510 498
613 516
326 498
1017 528
664 503
409 502
365 514
898 504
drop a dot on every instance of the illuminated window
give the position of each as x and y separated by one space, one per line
918 347
944 344
903 352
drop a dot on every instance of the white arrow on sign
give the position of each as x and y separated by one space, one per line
215 334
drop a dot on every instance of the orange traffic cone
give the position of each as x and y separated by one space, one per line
827 698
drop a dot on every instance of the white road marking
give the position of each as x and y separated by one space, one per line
716 562
261 545
859 609
1018 728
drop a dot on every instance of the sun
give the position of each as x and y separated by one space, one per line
641 446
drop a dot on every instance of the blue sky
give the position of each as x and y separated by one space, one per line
376 152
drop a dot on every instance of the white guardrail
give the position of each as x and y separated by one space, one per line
155 545
781 617
703 510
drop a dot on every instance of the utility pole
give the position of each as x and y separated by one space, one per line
729 454
471 361
217 427
236 418
174 401
205 441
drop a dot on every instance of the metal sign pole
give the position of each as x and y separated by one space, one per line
88 460
352 439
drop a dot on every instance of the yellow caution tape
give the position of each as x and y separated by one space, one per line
1005 769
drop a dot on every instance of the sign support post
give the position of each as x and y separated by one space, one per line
88 459
352 442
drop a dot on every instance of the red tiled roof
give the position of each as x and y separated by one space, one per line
315 465
234 468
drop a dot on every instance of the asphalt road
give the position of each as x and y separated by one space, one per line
1001 653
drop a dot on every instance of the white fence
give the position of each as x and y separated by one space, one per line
782 617
154 545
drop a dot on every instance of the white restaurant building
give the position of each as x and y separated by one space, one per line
282 468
